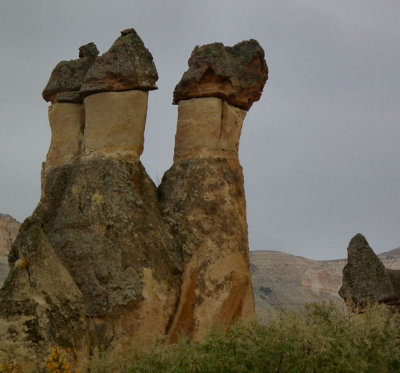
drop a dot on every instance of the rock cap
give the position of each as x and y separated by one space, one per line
67 77
127 65
236 74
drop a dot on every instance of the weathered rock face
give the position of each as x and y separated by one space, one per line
236 74
202 195
8 231
208 128
105 256
95 257
365 278
67 77
67 122
40 304
127 65
203 202
115 123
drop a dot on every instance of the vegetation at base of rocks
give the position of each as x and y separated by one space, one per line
9 367
58 361
318 338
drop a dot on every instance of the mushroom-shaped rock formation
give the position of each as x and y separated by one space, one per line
125 66
67 114
67 77
236 74
202 195
365 278
116 90
106 256
95 257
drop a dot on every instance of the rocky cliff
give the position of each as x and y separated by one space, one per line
106 256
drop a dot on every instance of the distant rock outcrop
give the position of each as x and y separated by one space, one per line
365 278
105 256
8 231
284 281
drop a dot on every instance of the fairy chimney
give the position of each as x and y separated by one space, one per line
202 194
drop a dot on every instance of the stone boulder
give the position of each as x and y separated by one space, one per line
365 278
67 77
127 65
236 74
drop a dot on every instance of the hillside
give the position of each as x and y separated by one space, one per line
8 231
284 280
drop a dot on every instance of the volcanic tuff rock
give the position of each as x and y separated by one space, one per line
8 231
282 280
108 255
236 74
365 278
202 195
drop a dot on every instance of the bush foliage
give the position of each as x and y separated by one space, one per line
317 338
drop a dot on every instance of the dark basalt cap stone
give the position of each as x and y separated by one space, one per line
236 74
88 50
67 77
125 66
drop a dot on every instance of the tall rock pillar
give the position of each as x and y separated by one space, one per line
202 195
66 112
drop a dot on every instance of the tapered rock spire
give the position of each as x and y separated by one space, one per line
202 195
365 278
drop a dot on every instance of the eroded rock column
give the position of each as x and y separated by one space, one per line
94 265
116 91
67 121
202 195
207 128
66 113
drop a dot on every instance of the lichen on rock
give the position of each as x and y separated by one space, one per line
236 74
67 77
365 278
127 65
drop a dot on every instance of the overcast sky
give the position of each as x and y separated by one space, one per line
320 150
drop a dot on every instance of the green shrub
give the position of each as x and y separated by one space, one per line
319 338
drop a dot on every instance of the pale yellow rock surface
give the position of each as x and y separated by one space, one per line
66 121
207 127
224 287
149 322
202 198
115 123
8 231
